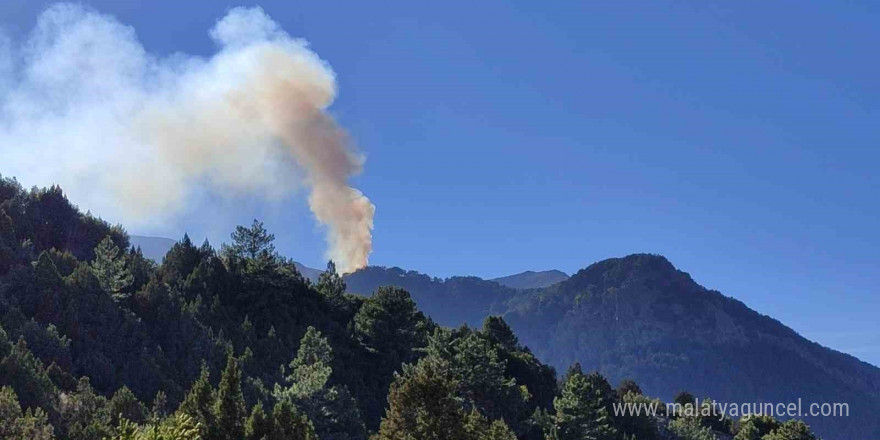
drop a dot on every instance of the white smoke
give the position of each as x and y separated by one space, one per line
135 135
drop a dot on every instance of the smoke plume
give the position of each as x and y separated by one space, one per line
84 105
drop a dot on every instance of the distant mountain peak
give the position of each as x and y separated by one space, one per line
531 279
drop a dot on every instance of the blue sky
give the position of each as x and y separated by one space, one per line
738 140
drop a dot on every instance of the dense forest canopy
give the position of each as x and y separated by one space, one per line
98 342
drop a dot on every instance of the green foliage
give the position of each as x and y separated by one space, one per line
481 428
199 402
584 408
767 428
684 398
628 386
690 429
311 369
178 427
125 405
331 408
254 243
390 325
229 408
108 322
258 425
85 415
521 364
755 427
422 405
110 268
483 384
330 283
21 370
497 330
289 424
15 425
791 430
390 329
639 426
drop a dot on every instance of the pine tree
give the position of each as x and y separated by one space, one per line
389 328
253 243
583 408
476 364
258 427
390 324
8 243
628 386
481 428
125 405
689 428
48 306
755 427
311 369
229 407
331 284
289 424
791 430
498 331
15 425
199 403
332 409
109 267
26 374
422 405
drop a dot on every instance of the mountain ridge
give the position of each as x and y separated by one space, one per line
640 317
532 279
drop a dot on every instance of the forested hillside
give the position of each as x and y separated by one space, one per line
531 279
99 342
638 317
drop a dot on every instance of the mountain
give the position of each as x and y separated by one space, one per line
531 279
639 317
309 272
153 248
88 319
452 301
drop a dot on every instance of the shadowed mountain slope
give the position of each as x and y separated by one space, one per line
531 279
639 317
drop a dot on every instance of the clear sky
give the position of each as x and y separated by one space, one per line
738 140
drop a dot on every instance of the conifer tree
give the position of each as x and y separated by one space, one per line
253 243
497 330
331 284
48 306
109 267
229 407
755 427
15 425
258 426
479 427
791 430
390 324
199 403
311 369
422 405
289 424
583 408
332 409
125 405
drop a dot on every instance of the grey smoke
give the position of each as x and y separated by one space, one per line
135 135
